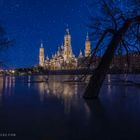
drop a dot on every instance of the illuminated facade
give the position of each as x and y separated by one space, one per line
41 55
87 47
64 57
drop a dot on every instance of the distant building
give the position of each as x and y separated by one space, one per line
64 57
120 63
130 62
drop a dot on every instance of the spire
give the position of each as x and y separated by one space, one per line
80 54
47 58
87 37
67 31
62 46
41 55
87 46
41 44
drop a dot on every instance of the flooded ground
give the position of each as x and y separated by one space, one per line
57 111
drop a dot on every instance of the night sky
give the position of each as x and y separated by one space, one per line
30 21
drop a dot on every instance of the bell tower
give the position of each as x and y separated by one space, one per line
41 55
87 47
67 46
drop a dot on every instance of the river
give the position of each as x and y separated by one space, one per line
56 110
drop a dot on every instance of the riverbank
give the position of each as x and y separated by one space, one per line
64 72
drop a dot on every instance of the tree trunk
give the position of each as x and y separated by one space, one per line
96 80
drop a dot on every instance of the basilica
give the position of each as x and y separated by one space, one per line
64 57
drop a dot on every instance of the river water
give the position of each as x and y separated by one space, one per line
57 111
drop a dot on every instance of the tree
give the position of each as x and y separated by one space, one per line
115 24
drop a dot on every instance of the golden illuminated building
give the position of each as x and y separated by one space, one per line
64 57
87 47
41 55
67 47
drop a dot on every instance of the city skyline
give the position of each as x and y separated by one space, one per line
29 22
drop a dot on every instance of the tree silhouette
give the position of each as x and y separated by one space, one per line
115 24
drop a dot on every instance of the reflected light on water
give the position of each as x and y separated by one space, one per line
109 78
54 107
109 84
63 91
42 91
7 83
1 88
29 81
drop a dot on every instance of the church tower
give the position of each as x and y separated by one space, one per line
67 46
87 47
41 55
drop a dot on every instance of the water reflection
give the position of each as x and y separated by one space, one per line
53 107
1 88
7 84
29 81
65 92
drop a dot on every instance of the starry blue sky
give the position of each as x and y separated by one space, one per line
30 21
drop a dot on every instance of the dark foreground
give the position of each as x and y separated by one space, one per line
57 111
